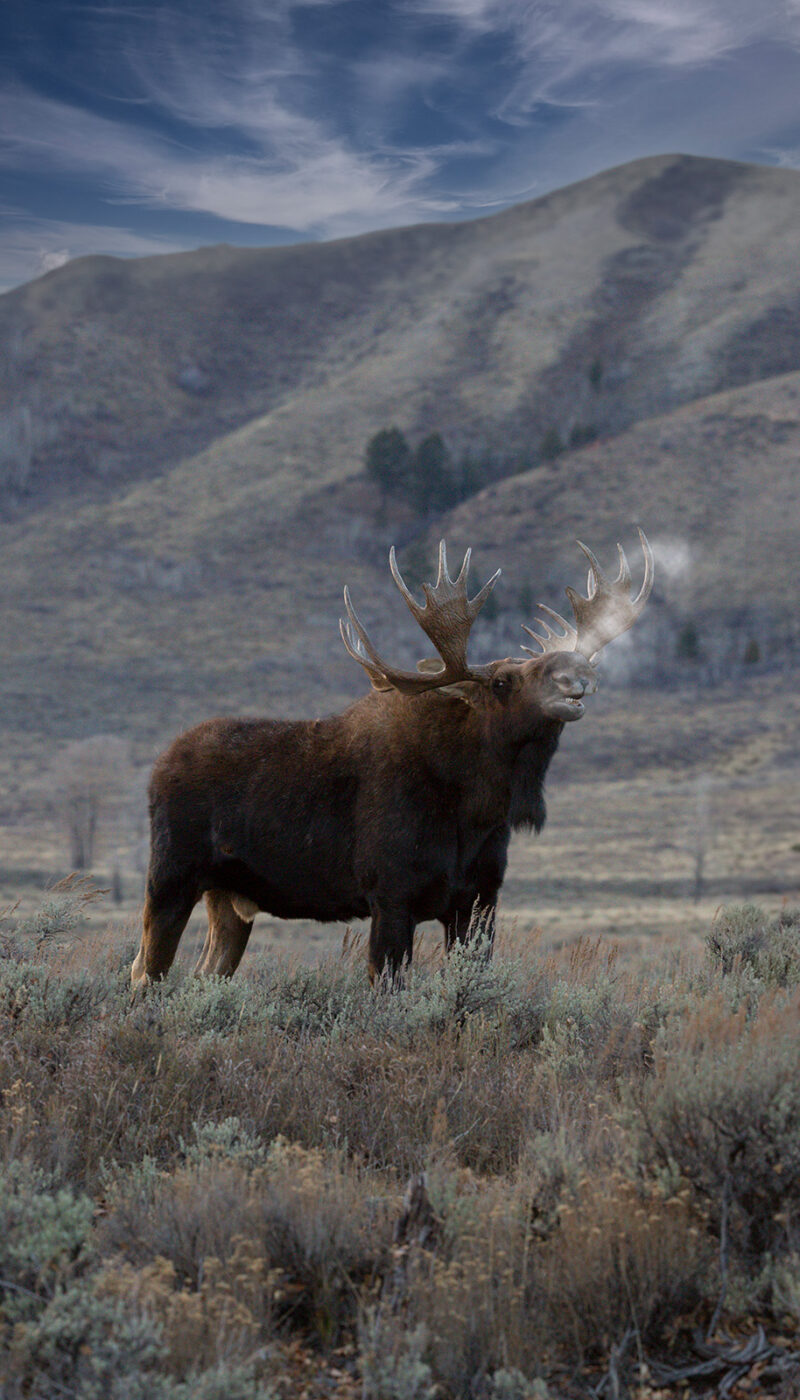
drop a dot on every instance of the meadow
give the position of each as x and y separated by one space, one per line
540 1174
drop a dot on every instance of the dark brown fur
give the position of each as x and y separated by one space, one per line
400 809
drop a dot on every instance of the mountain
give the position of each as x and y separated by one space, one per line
613 300
182 439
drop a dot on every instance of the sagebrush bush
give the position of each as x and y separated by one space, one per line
37 993
391 1357
228 1140
86 1346
722 1111
625 1255
45 1233
745 937
55 1334
60 913
289 1224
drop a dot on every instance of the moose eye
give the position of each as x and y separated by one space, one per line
501 685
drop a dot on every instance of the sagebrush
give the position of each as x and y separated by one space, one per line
203 1192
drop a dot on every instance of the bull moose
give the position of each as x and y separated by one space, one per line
399 809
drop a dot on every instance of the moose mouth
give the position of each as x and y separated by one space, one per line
568 707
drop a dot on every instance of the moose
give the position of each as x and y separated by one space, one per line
400 809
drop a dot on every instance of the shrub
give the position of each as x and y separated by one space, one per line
722 1110
228 1141
201 1006
391 1359
624 1255
744 936
223 1382
220 1321
294 1228
93 1348
44 1239
60 913
35 993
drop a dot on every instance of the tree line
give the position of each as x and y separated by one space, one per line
431 478
428 476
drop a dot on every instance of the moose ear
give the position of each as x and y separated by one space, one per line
467 691
458 690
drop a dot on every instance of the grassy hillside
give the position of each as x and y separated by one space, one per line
675 277
192 593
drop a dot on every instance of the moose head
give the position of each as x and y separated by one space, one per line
551 685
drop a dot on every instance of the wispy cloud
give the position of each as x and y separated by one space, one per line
302 179
323 118
565 48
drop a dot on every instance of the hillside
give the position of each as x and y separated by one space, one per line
674 277
147 583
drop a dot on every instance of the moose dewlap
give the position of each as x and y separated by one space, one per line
398 810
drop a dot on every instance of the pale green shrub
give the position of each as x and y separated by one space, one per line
223 1382
200 1006
37 994
44 1239
228 1141
744 937
88 1347
61 912
512 1385
392 1359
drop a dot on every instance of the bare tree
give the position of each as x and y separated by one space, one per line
88 777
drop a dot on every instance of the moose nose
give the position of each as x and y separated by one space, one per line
583 684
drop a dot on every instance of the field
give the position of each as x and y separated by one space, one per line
217 1193
536 1175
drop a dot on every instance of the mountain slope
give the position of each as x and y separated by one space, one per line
612 300
179 582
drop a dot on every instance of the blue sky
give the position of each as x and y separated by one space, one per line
132 127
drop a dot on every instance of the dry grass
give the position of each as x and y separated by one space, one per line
205 1190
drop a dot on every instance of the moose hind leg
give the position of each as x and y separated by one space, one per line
227 934
464 924
166 914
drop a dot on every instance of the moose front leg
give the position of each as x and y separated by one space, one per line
473 911
391 940
466 922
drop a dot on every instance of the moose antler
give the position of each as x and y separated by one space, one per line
607 611
446 618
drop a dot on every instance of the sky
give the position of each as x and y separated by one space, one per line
132 127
